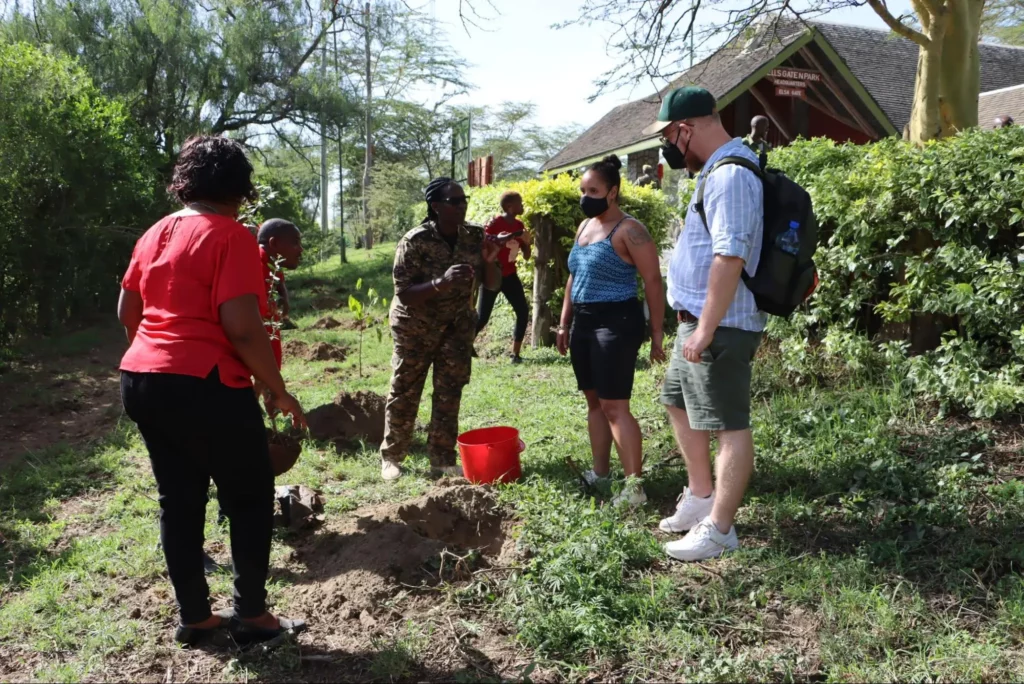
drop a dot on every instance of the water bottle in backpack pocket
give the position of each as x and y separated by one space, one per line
786 275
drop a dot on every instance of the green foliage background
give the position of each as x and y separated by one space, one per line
76 186
874 204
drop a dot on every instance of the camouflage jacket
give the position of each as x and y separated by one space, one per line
422 255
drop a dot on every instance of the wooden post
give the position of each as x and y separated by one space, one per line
772 113
548 257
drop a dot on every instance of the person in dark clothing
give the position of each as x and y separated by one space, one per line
190 304
508 223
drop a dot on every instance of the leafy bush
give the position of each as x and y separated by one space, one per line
558 199
553 203
76 188
917 236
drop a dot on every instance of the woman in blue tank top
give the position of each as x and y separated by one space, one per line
602 324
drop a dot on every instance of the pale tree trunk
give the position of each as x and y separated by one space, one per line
368 166
960 68
948 65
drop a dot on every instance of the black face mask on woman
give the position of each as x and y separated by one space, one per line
593 206
673 157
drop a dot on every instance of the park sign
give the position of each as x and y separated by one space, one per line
790 82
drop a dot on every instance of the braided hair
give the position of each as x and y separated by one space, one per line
434 193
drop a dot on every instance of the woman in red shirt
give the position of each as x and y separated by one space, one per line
190 303
508 223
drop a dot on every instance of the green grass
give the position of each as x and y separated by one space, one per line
878 543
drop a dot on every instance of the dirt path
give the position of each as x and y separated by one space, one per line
54 396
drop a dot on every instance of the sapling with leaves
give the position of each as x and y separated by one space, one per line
363 312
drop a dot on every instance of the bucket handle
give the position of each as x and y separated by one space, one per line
522 446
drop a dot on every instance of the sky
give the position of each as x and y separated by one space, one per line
518 56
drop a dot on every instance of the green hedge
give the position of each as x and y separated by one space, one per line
76 188
558 198
914 236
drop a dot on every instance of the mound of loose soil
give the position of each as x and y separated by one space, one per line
326 323
357 563
326 302
322 351
349 418
295 348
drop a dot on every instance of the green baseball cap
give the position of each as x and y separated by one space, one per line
688 102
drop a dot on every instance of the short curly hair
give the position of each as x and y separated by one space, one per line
509 196
214 169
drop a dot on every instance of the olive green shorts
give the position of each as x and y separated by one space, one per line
715 393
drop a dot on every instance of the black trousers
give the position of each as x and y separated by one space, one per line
512 288
197 429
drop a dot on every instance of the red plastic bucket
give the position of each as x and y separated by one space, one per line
491 455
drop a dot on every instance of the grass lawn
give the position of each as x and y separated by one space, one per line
879 543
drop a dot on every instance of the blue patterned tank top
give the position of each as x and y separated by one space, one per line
599 274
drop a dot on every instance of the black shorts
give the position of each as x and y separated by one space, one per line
604 342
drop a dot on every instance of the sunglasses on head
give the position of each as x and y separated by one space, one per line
455 201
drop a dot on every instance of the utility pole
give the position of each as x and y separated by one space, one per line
369 132
324 179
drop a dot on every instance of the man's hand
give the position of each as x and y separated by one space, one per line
696 344
657 347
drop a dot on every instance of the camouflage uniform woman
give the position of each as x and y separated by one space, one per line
433 323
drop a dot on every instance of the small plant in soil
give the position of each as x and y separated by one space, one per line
363 312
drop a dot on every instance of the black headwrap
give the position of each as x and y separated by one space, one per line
433 193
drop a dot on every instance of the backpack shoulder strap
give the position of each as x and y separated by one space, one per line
724 161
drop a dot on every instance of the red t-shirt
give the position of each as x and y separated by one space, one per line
185 267
498 225
265 308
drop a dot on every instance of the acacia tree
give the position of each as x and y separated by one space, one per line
184 66
660 37
1004 21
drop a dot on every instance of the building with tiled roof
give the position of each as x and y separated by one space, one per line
1002 102
858 86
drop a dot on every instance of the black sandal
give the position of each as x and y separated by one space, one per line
193 636
245 633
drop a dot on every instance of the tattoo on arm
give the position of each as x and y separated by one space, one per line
638 235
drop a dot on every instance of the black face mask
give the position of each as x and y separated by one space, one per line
673 157
593 206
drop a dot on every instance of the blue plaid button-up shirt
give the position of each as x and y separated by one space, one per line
734 203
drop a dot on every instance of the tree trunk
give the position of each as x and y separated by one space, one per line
948 73
544 281
960 68
369 134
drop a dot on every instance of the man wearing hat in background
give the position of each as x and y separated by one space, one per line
707 387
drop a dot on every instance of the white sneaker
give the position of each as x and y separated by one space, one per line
389 470
633 496
592 478
689 511
703 542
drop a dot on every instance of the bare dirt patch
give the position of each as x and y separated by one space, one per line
351 417
354 564
322 351
46 400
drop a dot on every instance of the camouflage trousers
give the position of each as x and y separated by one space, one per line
449 350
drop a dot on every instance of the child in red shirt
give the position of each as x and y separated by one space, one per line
511 286
281 246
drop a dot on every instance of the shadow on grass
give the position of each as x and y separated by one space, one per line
29 488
